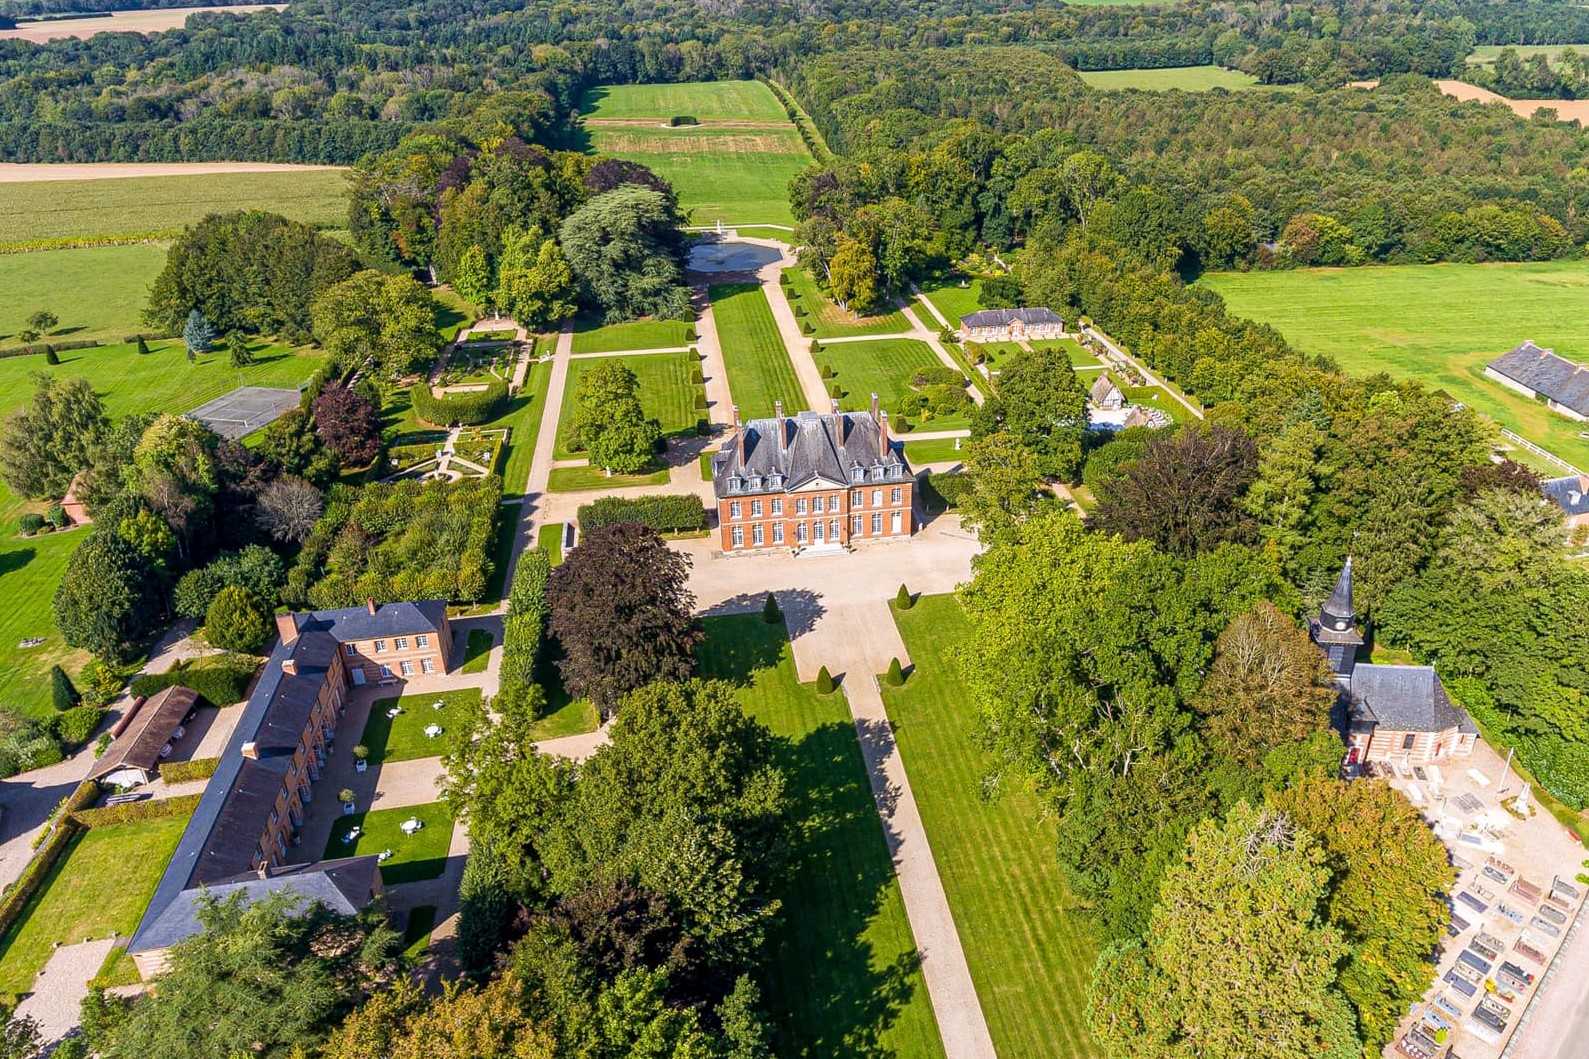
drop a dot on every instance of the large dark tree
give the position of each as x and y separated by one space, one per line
109 597
349 424
1042 404
610 173
1184 492
627 252
622 612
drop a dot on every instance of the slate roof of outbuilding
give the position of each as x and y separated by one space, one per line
1544 372
140 743
817 445
1571 493
1406 699
1006 317
389 619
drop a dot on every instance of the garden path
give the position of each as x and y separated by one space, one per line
1142 369
60 988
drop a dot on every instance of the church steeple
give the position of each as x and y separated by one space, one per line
1336 628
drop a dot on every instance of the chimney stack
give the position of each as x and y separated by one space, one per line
251 750
287 627
783 432
289 666
739 437
370 605
882 434
263 871
874 406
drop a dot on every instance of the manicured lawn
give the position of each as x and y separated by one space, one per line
165 205
733 175
1152 397
581 479
422 855
953 300
1185 78
759 372
97 292
573 718
416 932
30 570
476 652
590 336
997 352
936 450
706 466
1438 323
828 319
523 420
666 393
1079 357
1030 958
101 884
885 368
842 976
702 100
764 231
549 539
403 738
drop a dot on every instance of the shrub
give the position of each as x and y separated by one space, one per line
131 812
951 486
895 675
835 391
62 693
806 328
816 347
696 377
799 310
74 726
50 356
703 427
903 600
674 513
238 620
827 372
679 120
143 345
524 626
783 279
30 523
468 409
57 515
99 682
824 681
700 400
770 611
690 335
200 768
219 679
102 744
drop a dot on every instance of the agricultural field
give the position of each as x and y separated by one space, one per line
590 336
883 367
98 292
830 321
151 21
164 205
666 393
842 976
1184 78
735 167
1030 955
759 371
1486 54
102 883
1437 323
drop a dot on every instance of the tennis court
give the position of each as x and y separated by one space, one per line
245 409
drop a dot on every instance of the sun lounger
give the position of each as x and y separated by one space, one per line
1527 891
1472 902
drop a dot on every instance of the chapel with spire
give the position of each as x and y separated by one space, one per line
1335 629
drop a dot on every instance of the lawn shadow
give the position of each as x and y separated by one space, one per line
16 559
801 608
835 994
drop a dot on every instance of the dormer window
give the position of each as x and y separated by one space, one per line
857 473
877 474
775 482
895 471
755 482
734 483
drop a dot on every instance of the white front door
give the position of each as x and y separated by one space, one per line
358 676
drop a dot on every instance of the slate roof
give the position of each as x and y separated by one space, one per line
1544 372
1103 387
1006 317
344 886
1405 699
1571 493
1337 622
816 445
389 619
140 743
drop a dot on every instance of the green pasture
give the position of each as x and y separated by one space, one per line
703 100
1184 78
422 855
1486 54
883 367
102 883
97 292
591 336
1030 955
1437 323
842 975
759 371
164 205
30 570
666 393
830 321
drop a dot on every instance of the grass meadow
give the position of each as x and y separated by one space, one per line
101 884
736 171
586 479
842 976
1437 323
759 371
883 367
935 450
1030 957
97 292
590 336
830 321
1486 54
666 393
1185 78
66 209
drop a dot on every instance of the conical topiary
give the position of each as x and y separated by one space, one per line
896 674
63 694
903 600
770 612
824 681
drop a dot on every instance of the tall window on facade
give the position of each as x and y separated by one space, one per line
777 533
817 528
877 498
407 667
833 529
736 509
800 505
739 537
877 523
895 523
857 498
380 646
777 507
800 532
756 536
422 641
855 526
896 495
816 504
402 643
427 665
833 502
1408 740
755 509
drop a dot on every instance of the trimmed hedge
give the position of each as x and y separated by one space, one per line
130 812
201 768
73 727
678 513
524 628
468 409
220 680
38 869
48 347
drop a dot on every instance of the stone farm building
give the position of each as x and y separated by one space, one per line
252 811
1542 375
814 480
1010 325
1396 714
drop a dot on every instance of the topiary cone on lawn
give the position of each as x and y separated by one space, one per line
824 681
770 612
896 674
903 600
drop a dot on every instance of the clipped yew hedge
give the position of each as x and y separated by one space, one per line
200 768
130 812
468 409
677 513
